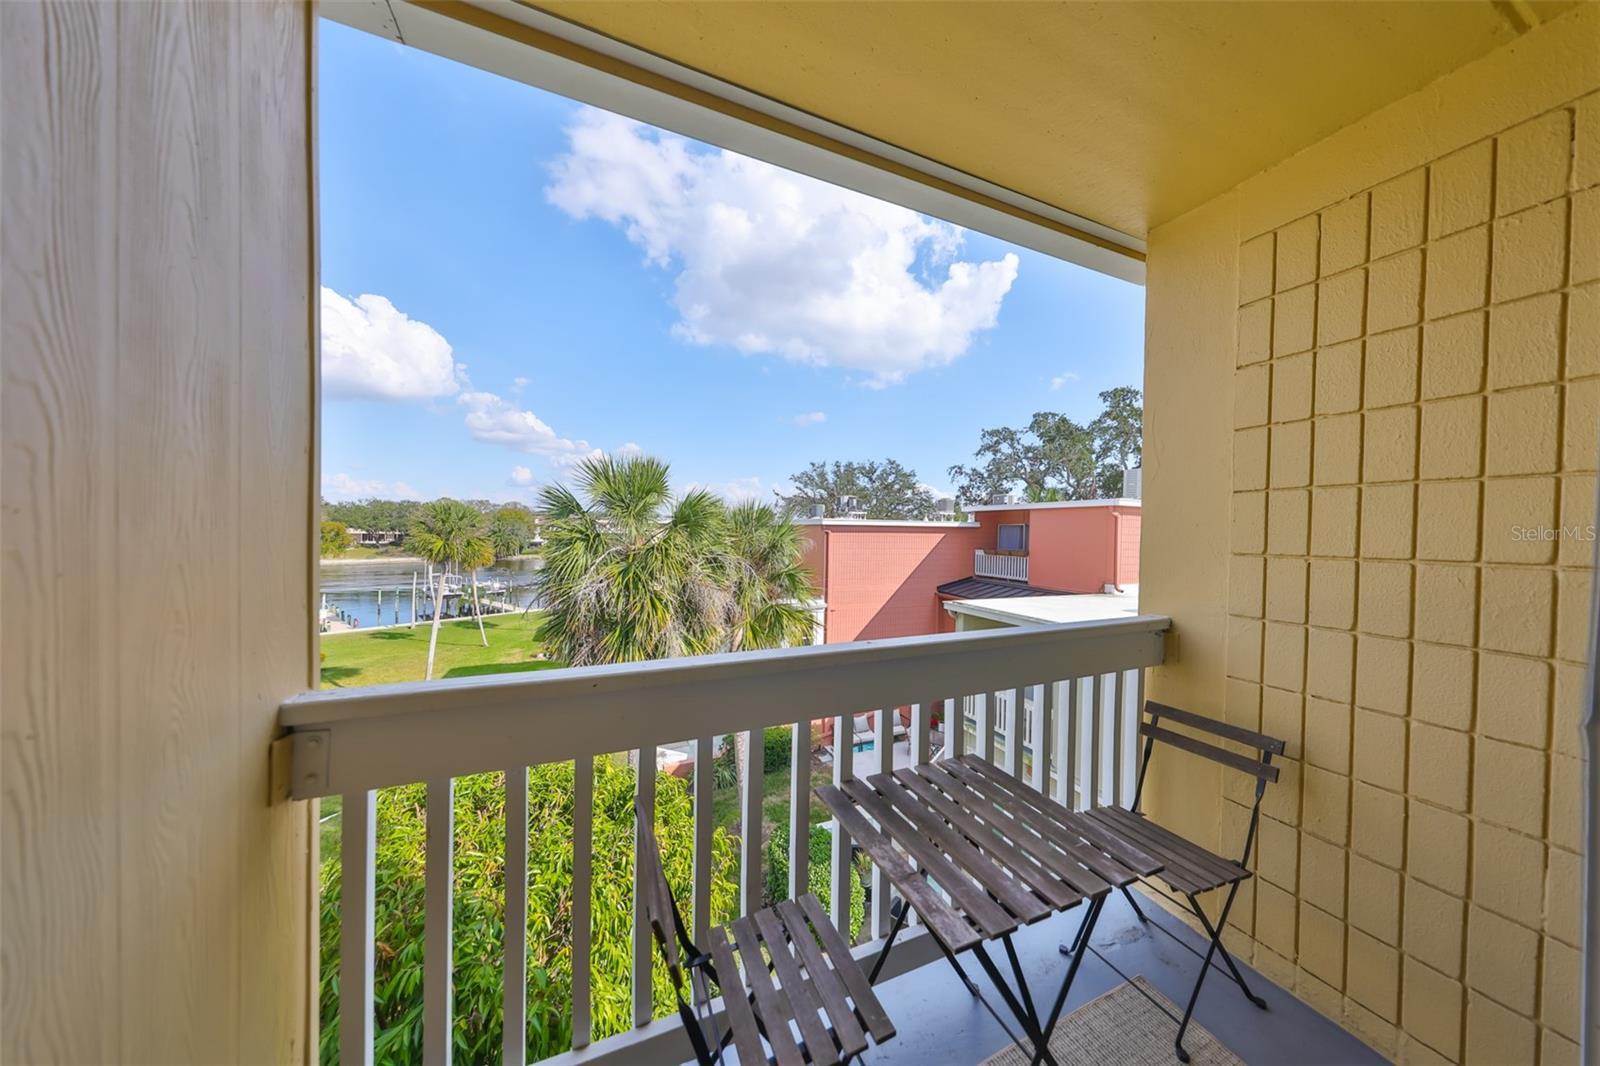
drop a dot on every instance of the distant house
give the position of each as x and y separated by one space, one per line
897 579
375 538
1011 564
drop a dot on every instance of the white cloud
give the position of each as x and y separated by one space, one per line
630 450
737 490
496 420
342 486
372 350
518 384
1061 379
810 418
771 262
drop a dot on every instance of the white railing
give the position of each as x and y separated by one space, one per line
1008 567
1080 685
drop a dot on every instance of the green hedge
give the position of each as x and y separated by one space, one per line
776 749
818 868
479 904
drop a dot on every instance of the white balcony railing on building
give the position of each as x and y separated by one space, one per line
1007 567
1079 683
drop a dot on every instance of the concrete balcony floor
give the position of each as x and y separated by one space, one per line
938 1022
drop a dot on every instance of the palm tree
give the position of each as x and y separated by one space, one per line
769 587
450 533
767 580
630 573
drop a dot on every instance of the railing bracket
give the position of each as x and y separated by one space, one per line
309 762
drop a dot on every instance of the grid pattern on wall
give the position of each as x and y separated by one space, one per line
1417 411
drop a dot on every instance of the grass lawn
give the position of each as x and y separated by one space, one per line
774 799
381 656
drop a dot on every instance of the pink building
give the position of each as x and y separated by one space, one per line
892 579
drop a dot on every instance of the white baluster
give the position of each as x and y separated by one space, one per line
1066 740
705 775
955 727
1014 732
1118 746
1043 716
843 770
438 957
1136 714
1097 713
750 868
514 1043
582 895
643 945
356 908
984 708
920 747
883 747
800 810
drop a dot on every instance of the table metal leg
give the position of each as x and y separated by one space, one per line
900 908
1025 1017
955 965
1022 983
1072 971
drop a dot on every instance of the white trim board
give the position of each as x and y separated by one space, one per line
1058 505
439 33
893 523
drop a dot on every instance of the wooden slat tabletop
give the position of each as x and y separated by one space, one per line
1000 854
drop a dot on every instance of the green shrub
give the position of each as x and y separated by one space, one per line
479 910
818 868
776 749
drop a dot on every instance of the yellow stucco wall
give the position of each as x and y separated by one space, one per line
1373 374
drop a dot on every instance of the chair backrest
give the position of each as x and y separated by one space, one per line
1259 767
661 911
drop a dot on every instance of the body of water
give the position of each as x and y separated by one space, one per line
358 588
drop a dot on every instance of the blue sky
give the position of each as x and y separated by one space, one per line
512 281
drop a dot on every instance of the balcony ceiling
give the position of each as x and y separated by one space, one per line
1126 113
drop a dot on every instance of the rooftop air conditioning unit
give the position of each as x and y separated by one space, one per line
819 510
848 504
1132 483
945 505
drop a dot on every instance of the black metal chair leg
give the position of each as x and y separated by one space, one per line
1222 949
1205 965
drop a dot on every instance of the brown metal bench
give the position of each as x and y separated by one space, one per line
820 987
1188 868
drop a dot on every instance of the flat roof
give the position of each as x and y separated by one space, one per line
893 523
1118 502
1049 610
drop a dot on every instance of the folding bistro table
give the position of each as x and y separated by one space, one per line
978 854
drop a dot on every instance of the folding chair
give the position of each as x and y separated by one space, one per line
820 987
1187 867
